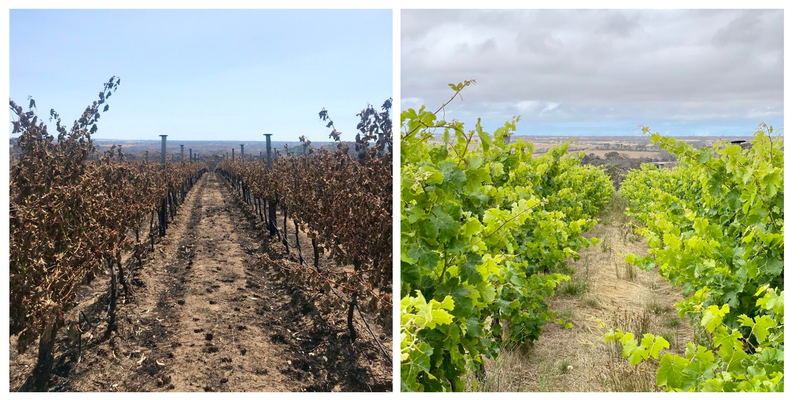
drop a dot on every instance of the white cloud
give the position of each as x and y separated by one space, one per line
550 106
526 105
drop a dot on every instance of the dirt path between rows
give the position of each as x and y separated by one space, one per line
205 317
604 293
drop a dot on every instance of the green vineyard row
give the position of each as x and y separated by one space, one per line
715 228
485 225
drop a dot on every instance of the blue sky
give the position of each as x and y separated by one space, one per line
205 74
599 72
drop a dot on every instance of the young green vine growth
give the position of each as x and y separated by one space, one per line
715 228
485 226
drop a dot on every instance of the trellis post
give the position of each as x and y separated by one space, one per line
273 203
162 216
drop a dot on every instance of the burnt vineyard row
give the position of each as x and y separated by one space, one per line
73 214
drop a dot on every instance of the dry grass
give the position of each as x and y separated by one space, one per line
638 322
598 299
622 377
625 271
578 284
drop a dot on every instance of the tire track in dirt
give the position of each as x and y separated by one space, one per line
219 344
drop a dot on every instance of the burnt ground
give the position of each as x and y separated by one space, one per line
204 315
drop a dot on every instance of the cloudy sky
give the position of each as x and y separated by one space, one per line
599 72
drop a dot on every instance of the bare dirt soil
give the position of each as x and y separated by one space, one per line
202 315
